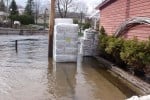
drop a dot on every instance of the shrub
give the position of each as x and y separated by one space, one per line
147 53
14 17
131 52
75 21
86 25
102 40
146 57
102 31
26 19
103 44
114 47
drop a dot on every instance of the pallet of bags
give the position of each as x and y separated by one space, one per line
86 46
89 34
65 42
89 43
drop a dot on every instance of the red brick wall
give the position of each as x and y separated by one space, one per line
116 13
139 8
141 32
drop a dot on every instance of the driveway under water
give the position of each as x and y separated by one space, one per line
29 75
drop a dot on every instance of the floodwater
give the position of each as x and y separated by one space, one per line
29 75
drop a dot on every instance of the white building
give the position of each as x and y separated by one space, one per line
3 16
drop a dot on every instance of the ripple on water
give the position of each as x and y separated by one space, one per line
28 75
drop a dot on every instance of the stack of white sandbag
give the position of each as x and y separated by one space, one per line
65 42
89 42
95 45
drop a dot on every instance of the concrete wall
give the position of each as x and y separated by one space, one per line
119 11
8 31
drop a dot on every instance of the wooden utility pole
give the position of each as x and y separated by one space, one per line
51 28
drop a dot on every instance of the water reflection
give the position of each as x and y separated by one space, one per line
29 75
71 81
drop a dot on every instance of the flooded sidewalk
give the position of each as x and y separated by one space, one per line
84 83
29 75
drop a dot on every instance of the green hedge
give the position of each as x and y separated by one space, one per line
24 19
132 52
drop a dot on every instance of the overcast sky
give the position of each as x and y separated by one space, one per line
90 3
23 2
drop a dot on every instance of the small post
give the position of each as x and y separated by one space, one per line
16 45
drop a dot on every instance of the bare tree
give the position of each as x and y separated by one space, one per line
63 6
81 7
37 4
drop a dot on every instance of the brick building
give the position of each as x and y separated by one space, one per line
115 12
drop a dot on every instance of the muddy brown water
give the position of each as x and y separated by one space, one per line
29 75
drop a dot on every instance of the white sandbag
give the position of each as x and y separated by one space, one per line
60 51
60 36
71 35
87 42
70 38
89 34
87 52
95 47
60 44
96 42
66 28
86 47
72 44
96 37
63 20
71 51
147 97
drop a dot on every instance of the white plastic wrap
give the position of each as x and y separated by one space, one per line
87 52
71 51
63 20
71 44
65 43
60 44
60 51
89 43
89 34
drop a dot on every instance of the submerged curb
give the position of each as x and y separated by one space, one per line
133 82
